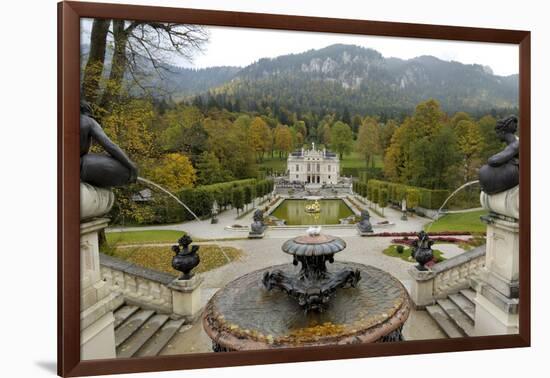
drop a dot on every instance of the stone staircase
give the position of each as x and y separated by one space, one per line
141 332
455 314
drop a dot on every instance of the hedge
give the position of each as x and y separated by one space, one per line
363 174
427 198
201 199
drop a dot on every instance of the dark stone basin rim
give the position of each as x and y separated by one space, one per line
369 335
332 246
230 341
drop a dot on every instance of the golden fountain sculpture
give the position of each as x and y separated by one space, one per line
314 207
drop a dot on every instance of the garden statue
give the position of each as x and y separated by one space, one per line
258 226
502 169
421 250
404 210
215 208
102 170
364 225
185 260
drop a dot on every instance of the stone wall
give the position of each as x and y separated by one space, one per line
446 277
152 289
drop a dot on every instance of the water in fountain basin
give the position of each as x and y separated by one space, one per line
157 186
447 200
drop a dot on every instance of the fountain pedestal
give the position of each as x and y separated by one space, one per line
245 316
314 285
497 288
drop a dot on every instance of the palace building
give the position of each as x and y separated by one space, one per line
313 166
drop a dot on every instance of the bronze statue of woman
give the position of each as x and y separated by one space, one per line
102 170
502 169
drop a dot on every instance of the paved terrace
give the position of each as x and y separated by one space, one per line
261 253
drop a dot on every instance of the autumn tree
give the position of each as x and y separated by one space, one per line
283 140
259 136
298 139
492 142
229 142
93 70
470 145
458 117
209 170
420 152
368 140
136 44
128 125
356 122
184 131
386 133
300 127
174 172
341 138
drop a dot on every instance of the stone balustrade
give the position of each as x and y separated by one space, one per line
446 277
152 289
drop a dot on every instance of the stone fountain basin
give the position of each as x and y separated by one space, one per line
245 316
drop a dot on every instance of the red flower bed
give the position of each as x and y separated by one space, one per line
402 234
448 239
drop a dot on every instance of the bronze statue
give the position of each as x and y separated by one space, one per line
258 226
364 225
102 170
502 169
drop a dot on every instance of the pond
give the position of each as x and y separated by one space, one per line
293 211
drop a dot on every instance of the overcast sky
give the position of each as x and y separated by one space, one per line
240 47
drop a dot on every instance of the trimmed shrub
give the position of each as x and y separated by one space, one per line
383 197
237 198
413 198
427 198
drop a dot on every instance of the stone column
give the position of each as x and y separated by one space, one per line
497 297
97 301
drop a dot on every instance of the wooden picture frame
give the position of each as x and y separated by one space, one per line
69 14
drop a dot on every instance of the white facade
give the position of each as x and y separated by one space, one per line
313 166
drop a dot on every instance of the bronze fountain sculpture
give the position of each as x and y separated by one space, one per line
502 169
102 170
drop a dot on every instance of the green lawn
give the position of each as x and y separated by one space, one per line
406 255
275 164
141 237
354 160
460 222
160 258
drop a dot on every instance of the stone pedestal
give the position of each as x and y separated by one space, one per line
186 297
422 290
94 202
497 298
256 236
97 302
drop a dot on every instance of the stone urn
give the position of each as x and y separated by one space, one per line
184 259
422 250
